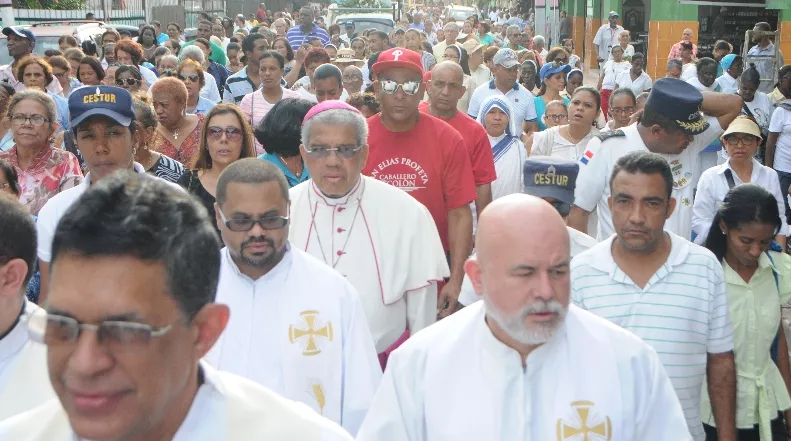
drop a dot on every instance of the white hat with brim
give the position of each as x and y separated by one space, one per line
743 124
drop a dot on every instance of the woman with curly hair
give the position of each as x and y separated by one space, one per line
36 73
131 53
366 103
280 134
178 133
312 58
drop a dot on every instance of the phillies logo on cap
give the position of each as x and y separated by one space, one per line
397 53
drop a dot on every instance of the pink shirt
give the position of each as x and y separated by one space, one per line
255 108
675 51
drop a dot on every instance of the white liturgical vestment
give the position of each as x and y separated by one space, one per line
226 408
24 379
455 381
299 330
384 242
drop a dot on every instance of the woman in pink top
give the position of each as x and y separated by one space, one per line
257 104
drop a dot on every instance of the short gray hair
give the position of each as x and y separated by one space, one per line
512 28
170 57
38 96
451 27
192 52
539 40
338 117
674 63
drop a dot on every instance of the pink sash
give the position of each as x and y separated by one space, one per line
384 355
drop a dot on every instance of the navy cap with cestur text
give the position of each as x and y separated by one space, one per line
550 177
110 101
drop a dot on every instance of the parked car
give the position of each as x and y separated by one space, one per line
134 30
47 36
459 13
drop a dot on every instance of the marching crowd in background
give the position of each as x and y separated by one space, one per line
284 227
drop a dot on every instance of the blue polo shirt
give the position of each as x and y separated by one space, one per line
290 177
522 101
297 38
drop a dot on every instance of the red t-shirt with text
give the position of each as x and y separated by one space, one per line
477 142
430 162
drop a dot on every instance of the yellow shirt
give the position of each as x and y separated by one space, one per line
776 97
755 314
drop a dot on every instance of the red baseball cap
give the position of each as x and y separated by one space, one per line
399 57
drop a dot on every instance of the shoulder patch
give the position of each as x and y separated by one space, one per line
615 134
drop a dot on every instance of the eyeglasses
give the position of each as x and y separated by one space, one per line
126 81
168 73
54 330
232 133
558 62
266 222
626 110
194 78
390 87
35 120
556 118
747 141
342 151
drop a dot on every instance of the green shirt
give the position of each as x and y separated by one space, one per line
217 53
754 308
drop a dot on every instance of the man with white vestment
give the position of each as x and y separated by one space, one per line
523 364
24 383
127 366
379 237
297 326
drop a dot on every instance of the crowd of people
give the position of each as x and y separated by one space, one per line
534 257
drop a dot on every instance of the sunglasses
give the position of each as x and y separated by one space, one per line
126 81
345 152
232 133
266 223
390 87
194 78
168 73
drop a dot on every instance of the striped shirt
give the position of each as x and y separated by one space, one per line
522 100
296 37
682 312
237 86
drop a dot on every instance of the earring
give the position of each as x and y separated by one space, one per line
145 146
134 150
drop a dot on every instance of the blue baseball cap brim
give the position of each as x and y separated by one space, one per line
24 33
549 69
115 116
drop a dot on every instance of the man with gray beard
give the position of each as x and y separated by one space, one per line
523 364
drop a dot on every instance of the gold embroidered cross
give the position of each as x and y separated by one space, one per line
311 346
590 431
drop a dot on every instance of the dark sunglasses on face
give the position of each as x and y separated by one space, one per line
232 133
168 73
194 78
126 81
390 87
323 152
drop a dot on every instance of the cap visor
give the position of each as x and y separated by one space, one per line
384 65
693 127
548 191
8 31
115 116
509 64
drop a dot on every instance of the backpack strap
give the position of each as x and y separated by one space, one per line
773 349
729 178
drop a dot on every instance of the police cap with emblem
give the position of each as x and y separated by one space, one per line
679 101
550 177
110 101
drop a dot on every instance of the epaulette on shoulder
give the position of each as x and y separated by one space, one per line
614 134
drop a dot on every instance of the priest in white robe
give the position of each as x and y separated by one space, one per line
380 238
523 364
24 383
127 366
297 326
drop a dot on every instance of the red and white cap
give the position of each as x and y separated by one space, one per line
399 57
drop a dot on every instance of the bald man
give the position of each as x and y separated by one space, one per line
445 89
523 364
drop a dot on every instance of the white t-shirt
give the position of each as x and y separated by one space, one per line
628 52
781 123
761 108
727 83
638 86
611 71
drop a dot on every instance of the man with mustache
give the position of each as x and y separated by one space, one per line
297 326
663 288
523 364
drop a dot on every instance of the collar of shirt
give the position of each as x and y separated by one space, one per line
733 278
492 86
757 167
279 271
17 336
291 177
355 192
604 261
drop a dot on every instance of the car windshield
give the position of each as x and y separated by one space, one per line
43 44
380 24
461 14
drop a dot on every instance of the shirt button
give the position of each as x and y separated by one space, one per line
341 230
340 209
340 253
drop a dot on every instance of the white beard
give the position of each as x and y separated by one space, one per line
515 327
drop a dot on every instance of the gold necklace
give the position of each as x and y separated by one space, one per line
571 138
175 133
298 174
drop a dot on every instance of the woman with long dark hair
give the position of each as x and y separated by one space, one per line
757 281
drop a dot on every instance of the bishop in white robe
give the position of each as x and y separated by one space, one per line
456 381
299 330
384 242
225 408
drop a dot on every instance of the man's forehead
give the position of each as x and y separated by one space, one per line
399 73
